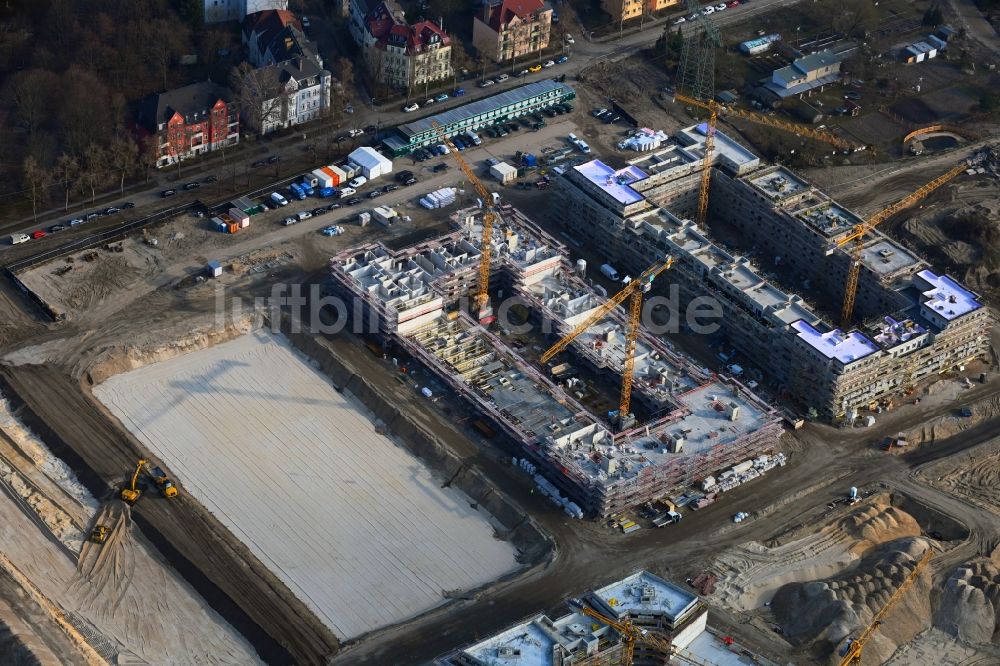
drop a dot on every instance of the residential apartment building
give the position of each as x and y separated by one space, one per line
398 54
290 85
220 11
624 10
189 121
512 29
914 321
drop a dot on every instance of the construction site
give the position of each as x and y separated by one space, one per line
899 320
647 399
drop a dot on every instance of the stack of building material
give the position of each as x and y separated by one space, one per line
439 198
644 139
504 173
364 219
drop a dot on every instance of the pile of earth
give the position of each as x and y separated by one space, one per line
823 615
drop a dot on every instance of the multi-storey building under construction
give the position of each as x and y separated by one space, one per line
697 422
916 321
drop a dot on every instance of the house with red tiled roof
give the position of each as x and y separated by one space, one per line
396 53
512 28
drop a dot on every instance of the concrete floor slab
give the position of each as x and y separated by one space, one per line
352 523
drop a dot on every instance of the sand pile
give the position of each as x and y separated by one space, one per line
878 524
825 613
970 603
973 474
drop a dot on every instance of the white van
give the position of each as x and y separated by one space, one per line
19 238
278 199
357 182
347 191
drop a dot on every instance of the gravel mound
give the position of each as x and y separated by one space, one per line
970 603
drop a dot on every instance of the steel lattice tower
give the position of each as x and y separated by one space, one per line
696 72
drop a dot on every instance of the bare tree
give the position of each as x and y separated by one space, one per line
65 171
35 180
260 95
122 155
165 41
148 156
344 72
95 170
28 95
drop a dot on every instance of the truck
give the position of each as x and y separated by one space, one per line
667 518
297 191
609 272
307 188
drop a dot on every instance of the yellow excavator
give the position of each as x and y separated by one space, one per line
130 493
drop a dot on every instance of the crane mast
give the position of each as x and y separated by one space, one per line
858 234
634 291
481 298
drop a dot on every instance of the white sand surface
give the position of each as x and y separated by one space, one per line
351 522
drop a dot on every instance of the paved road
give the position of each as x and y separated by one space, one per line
290 148
970 18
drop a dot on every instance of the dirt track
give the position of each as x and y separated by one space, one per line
232 582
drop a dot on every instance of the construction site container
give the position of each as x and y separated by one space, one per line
759 45
350 170
364 219
213 268
439 198
372 163
384 215
240 216
327 177
338 174
504 173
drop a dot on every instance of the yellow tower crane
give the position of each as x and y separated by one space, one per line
490 217
632 634
634 290
856 236
853 655
714 109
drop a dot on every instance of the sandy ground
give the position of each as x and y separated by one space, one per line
112 606
935 648
973 475
353 524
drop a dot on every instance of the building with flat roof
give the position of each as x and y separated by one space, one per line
507 105
653 604
698 423
914 322
804 74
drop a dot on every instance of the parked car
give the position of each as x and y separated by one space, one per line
357 182
353 202
111 210
561 59
257 163
306 25
720 7
127 205
734 3
304 215
279 199
678 21
333 230
38 234
273 158
549 63
523 72
708 11
333 206
410 108
597 113
502 78
569 39
852 94
442 97
346 192
165 194
290 220
459 92
56 228
192 186
390 187
535 68
438 168
374 194
319 211
487 83
430 100
410 180
355 132
401 176
75 222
